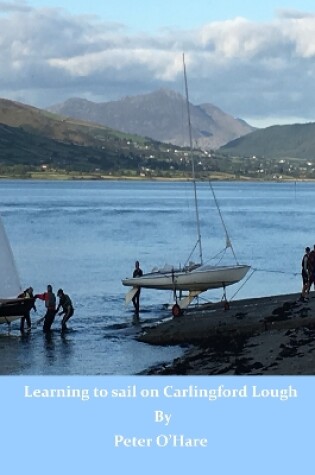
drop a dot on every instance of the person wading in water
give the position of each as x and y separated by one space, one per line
136 298
50 304
27 294
67 308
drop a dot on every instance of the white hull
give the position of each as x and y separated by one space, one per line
201 279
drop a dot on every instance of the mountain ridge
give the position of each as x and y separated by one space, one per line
160 115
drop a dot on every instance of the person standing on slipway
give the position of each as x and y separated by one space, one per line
305 274
311 269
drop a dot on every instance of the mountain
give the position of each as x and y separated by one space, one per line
278 141
162 116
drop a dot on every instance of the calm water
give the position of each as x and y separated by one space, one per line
85 237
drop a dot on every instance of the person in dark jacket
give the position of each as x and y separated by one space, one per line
136 298
27 294
67 308
50 304
305 275
311 269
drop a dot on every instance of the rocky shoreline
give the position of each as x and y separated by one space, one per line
265 336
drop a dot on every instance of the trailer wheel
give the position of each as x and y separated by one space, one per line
176 310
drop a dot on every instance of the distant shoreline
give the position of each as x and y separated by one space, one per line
55 176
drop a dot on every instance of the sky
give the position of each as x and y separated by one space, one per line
253 59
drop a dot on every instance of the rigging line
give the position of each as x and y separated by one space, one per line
190 255
192 163
262 270
219 256
277 271
227 237
245 282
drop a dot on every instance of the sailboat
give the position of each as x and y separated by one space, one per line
11 307
194 278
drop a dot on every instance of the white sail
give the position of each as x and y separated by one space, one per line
10 285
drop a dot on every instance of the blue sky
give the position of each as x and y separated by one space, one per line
155 14
253 59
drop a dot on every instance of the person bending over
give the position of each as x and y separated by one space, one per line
67 308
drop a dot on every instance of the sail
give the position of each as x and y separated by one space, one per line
10 285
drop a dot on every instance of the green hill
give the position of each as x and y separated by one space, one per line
20 147
31 137
295 141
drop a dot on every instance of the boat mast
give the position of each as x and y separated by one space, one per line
193 165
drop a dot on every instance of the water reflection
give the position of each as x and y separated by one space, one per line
67 345
49 348
136 319
9 349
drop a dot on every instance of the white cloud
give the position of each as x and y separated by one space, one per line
251 70
290 13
